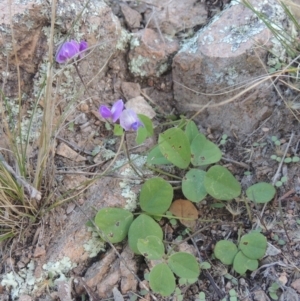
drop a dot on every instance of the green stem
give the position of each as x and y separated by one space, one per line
128 157
162 172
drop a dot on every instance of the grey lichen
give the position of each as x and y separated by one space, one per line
136 65
130 179
94 245
235 35
25 282
123 40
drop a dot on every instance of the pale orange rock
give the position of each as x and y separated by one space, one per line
65 151
296 285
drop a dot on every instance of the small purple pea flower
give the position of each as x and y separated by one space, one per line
113 113
69 50
130 121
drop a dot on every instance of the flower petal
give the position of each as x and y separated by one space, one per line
136 125
117 109
105 112
129 120
83 45
67 51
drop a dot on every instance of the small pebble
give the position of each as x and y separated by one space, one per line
84 108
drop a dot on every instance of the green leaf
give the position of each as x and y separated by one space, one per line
184 265
193 185
225 251
147 124
253 245
243 263
273 295
156 196
162 280
261 192
144 132
142 227
156 157
118 130
114 223
191 130
175 147
205 265
201 296
141 135
221 184
151 247
204 152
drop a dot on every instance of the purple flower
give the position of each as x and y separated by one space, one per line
113 113
129 120
69 50
83 45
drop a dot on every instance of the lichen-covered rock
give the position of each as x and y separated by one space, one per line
150 54
220 57
26 24
172 17
95 23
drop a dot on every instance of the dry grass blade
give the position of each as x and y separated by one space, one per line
13 211
46 131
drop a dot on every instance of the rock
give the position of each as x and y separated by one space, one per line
132 17
221 56
260 295
24 298
73 181
128 281
130 90
149 55
296 285
64 289
39 251
28 21
65 151
117 295
95 274
76 242
140 106
172 17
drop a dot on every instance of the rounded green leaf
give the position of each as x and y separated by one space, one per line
191 130
142 227
184 265
193 185
145 131
225 251
175 147
204 152
261 192
162 280
221 184
114 223
156 196
253 245
151 247
243 263
156 157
